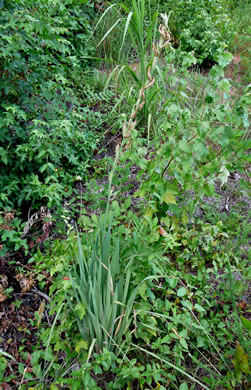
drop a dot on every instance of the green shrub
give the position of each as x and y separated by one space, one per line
202 137
46 130
10 229
201 26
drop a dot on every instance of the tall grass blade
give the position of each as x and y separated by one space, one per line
108 32
7 355
128 20
102 17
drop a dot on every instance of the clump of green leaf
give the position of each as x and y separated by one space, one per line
201 26
102 293
47 129
198 144
10 232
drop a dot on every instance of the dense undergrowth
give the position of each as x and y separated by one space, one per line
124 194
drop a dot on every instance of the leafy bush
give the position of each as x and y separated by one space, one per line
10 230
182 314
183 326
201 26
197 145
46 130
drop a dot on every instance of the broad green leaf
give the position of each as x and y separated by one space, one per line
183 386
224 85
216 72
49 355
3 155
224 174
53 387
220 115
183 145
173 109
82 344
43 168
187 304
143 291
80 310
240 360
173 282
200 342
172 80
224 59
200 149
128 203
7 355
42 153
181 292
199 308
166 339
168 197
184 343
247 324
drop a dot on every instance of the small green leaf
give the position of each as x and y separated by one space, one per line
53 387
172 80
216 72
3 154
224 85
223 176
168 197
224 59
240 360
209 98
181 292
173 109
48 356
50 165
80 310
43 168
247 324
183 145
183 386
143 291
199 308
184 343
173 282
166 339
42 153
82 344
200 342
128 203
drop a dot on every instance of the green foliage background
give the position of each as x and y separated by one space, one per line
45 126
151 293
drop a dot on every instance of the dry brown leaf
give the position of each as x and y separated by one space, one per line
40 312
25 283
242 305
3 280
3 296
162 232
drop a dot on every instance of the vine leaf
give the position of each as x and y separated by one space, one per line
240 360
168 197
